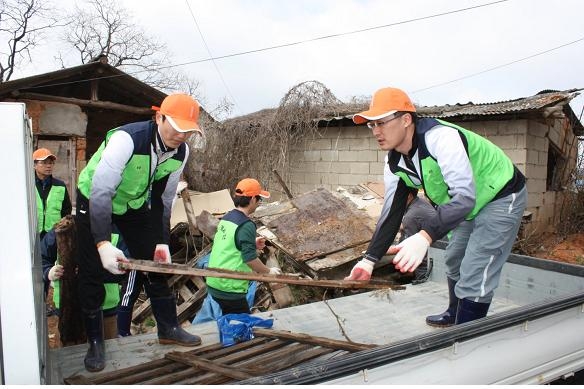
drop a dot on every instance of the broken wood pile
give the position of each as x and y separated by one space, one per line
316 232
269 352
190 289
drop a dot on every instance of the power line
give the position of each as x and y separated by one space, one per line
340 34
415 91
499 66
288 44
211 57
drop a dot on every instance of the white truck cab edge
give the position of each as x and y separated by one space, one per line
23 340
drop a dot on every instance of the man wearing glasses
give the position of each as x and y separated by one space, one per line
53 200
130 183
478 194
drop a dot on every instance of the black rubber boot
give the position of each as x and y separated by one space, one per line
169 331
124 317
95 358
469 311
447 318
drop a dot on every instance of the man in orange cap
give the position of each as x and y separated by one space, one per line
235 248
478 194
53 200
130 183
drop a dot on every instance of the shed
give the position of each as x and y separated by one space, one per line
72 109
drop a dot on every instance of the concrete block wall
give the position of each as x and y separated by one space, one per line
546 205
349 155
341 156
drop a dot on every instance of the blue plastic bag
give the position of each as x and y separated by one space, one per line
237 327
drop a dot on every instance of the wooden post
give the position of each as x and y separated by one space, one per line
281 181
281 292
71 325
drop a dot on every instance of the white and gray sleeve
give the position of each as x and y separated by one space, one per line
106 178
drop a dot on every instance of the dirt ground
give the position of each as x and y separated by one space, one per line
569 249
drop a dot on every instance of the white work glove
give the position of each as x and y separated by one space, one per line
410 253
361 271
162 254
181 186
110 256
56 272
276 271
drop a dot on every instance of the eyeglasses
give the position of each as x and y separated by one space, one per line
46 162
379 123
259 199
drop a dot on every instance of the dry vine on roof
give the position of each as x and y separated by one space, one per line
255 144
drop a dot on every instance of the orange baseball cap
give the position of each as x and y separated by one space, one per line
42 154
385 102
249 187
182 112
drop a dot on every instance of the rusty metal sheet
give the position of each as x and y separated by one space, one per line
320 224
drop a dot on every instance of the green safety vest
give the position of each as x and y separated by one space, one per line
50 213
133 190
492 170
225 255
112 289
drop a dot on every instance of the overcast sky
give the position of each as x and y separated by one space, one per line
422 57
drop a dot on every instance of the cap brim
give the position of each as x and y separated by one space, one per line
45 157
265 194
181 125
362 117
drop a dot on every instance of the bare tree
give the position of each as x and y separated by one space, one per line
22 24
103 27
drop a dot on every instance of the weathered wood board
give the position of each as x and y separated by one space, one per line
318 230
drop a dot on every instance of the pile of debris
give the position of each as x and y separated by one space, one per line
316 236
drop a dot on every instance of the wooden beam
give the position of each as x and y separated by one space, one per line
84 103
208 365
314 340
155 267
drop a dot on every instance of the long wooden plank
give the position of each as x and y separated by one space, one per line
314 340
154 267
145 309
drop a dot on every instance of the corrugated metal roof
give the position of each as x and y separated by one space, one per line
526 104
546 103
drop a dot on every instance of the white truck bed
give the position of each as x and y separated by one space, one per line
395 319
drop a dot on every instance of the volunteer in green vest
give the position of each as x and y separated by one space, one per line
130 182
53 200
53 271
477 191
235 248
